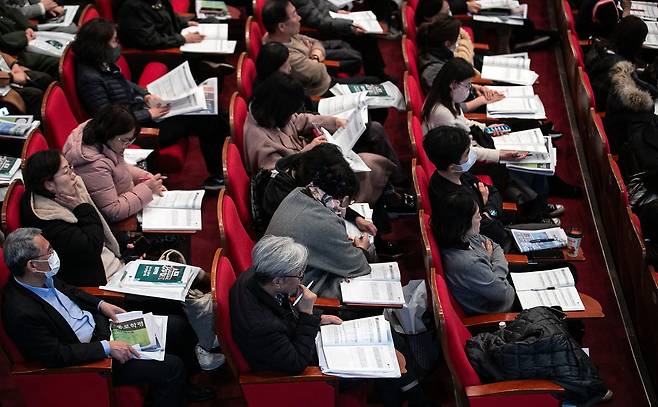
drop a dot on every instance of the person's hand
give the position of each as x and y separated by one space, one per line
489 94
342 12
57 11
155 184
153 100
484 191
326 319
340 123
305 305
498 130
68 201
49 5
110 310
488 246
366 225
362 242
317 54
122 351
315 142
192 23
193 37
513 155
19 74
401 361
30 34
357 29
157 112
473 7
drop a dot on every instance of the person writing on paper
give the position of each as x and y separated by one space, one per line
273 129
58 325
475 267
100 83
95 150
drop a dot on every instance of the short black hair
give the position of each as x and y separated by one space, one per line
445 145
426 10
91 41
336 179
455 70
276 99
39 168
629 35
109 122
310 162
274 12
271 57
452 218
434 33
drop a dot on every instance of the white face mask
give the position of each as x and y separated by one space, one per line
460 93
472 157
53 263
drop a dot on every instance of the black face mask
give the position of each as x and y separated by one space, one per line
112 55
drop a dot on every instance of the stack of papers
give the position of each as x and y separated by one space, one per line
211 9
522 107
548 288
216 41
160 279
381 95
358 348
50 43
536 163
381 286
363 209
175 210
63 20
17 126
508 12
9 166
527 140
146 333
509 68
364 19
646 10
535 240
346 137
652 37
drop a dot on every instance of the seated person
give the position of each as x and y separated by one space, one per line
42 10
15 32
475 267
442 107
624 45
57 325
599 18
273 129
152 24
272 58
274 336
100 83
95 150
29 84
57 202
306 54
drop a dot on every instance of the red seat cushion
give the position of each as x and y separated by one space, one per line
408 22
253 38
151 72
35 142
58 118
410 55
67 79
237 115
246 76
417 133
413 94
237 182
235 239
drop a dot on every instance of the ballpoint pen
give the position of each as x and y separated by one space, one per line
300 296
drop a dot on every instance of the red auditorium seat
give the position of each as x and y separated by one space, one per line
237 113
246 72
234 238
236 180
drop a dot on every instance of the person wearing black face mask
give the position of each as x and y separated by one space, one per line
100 82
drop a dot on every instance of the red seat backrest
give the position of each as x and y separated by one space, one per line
11 206
246 76
410 54
258 5
67 79
416 133
408 23
413 94
571 22
253 37
58 118
234 238
105 9
34 143
90 12
237 180
421 183
237 115
224 279
6 343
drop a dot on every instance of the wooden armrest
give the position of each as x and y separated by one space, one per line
517 259
331 63
356 305
489 319
99 366
601 114
126 225
316 98
511 387
185 232
593 308
481 117
480 46
149 132
323 302
310 374
510 207
477 79
310 31
110 296
151 52
462 17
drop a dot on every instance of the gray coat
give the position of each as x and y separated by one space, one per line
478 282
331 256
315 14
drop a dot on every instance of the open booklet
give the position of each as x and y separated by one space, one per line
346 137
175 210
531 140
210 93
536 163
63 20
17 126
364 19
146 333
509 12
50 43
543 239
645 10
381 286
160 279
547 288
509 68
358 348
529 107
343 105
382 95
216 41
363 209
8 167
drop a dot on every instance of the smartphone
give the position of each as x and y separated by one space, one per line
501 128
141 245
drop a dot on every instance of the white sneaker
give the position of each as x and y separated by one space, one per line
208 360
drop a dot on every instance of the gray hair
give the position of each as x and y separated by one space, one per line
20 248
275 256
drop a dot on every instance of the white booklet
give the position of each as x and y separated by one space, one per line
543 239
358 348
176 210
210 93
50 43
509 68
346 137
646 10
216 41
381 95
343 105
530 107
536 163
547 288
146 333
514 91
179 90
63 20
363 209
531 141
134 155
128 280
381 286
364 19
512 13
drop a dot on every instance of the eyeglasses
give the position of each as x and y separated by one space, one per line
129 141
297 276
467 85
48 253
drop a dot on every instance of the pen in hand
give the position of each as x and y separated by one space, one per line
301 295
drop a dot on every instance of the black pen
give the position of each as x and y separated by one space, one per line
541 240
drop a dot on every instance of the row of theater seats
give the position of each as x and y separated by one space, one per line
639 281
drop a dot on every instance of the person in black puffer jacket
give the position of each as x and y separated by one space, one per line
537 345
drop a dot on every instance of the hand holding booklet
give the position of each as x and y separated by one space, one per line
175 210
367 20
542 239
358 348
347 136
215 42
146 333
548 288
381 286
